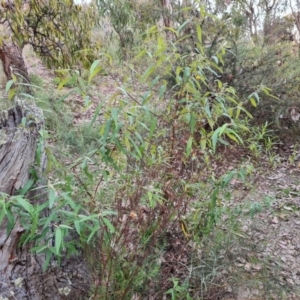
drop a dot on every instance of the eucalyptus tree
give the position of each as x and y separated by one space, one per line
58 31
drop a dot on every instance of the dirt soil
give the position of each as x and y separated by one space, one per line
274 231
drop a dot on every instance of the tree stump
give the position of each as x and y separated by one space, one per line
21 275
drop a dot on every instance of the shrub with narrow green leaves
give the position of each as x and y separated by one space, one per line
143 186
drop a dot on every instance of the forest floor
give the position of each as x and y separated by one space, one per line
267 254
273 231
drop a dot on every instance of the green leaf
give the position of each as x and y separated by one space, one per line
114 114
138 153
199 33
58 240
94 71
208 112
11 220
186 73
172 29
38 152
222 129
189 146
148 72
85 169
11 94
25 204
26 187
63 82
9 85
140 54
162 91
108 212
146 97
182 26
52 198
234 136
108 224
47 260
220 84
87 218
65 226
238 110
215 58
106 131
53 217
253 102
96 114
23 122
39 249
215 138
94 66
77 226
95 229
152 128
256 96
139 137
228 178
154 81
69 200
64 97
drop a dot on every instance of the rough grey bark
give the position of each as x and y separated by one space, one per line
13 63
21 275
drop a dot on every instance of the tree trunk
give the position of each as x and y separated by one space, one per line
21 275
13 63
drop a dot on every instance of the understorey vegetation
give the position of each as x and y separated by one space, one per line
158 129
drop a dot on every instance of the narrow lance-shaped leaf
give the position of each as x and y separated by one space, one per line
189 146
24 204
94 71
63 82
148 72
199 33
182 26
58 240
26 187
109 225
95 229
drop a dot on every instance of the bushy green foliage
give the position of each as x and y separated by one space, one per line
59 32
134 189
125 195
253 60
128 21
